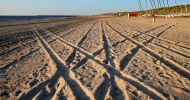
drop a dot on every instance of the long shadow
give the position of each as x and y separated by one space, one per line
86 35
107 47
73 54
32 93
112 71
101 91
62 35
169 49
157 38
71 57
167 62
145 31
119 42
77 90
149 30
179 53
61 71
86 59
68 33
127 58
158 35
70 26
115 91
138 85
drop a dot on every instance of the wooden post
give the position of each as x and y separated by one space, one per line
128 16
186 7
154 19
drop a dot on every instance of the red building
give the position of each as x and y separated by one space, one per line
133 14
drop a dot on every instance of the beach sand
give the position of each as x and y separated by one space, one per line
96 58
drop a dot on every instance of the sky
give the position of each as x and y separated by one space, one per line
68 7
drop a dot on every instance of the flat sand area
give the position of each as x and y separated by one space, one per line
113 58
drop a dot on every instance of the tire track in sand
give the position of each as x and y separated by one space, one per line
71 57
77 88
170 63
114 71
108 51
179 44
129 57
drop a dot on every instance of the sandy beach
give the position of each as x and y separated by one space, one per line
96 58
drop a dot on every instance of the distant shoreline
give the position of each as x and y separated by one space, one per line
10 18
35 21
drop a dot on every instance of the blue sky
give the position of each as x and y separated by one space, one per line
67 7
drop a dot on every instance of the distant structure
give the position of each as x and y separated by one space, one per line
133 14
162 8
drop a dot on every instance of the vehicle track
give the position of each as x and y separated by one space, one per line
7 67
79 91
95 61
68 27
82 40
15 39
160 38
175 66
174 50
6 52
183 56
101 91
113 71
30 42
141 33
182 45
129 57
71 57
109 53
115 91
180 53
